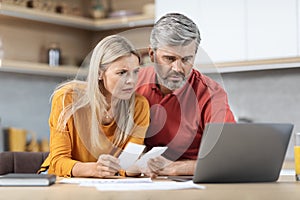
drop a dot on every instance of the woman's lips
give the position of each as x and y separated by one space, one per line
127 90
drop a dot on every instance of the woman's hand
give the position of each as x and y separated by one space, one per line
107 165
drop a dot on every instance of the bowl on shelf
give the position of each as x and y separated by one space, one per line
122 13
97 13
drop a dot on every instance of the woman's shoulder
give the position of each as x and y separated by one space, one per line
141 103
142 110
70 89
140 99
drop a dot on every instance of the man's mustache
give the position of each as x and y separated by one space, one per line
174 73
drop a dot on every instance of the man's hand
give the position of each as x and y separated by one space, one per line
162 166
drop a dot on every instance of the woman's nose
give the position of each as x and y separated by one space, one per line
131 78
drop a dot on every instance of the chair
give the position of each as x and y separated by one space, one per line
21 162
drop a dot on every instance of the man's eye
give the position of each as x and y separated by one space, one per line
186 59
136 71
169 59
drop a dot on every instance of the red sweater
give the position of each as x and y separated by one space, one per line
178 119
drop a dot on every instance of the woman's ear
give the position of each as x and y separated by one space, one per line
100 76
151 54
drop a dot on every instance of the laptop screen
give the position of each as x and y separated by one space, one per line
242 152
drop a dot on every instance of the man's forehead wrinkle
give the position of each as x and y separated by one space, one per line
177 51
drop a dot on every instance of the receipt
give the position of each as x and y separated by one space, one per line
130 154
154 152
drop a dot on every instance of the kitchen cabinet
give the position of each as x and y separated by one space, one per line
220 23
244 33
271 29
26 34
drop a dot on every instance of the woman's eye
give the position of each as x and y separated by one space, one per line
122 72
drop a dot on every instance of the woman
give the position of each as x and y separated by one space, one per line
92 120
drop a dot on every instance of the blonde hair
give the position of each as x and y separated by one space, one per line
89 103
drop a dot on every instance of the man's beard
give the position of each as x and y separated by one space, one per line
172 85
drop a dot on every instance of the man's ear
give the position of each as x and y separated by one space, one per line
151 53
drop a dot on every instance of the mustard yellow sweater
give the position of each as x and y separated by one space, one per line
67 148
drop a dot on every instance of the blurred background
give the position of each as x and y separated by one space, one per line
252 46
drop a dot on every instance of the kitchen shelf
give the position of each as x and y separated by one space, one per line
75 21
72 71
253 65
32 68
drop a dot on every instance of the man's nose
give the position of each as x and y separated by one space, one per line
177 66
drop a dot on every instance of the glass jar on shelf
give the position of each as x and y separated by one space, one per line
54 55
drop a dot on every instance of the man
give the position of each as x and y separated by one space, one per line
182 99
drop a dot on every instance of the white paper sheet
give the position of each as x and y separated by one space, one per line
154 152
95 181
130 154
287 172
131 184
168 185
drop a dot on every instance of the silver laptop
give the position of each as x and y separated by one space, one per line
242 152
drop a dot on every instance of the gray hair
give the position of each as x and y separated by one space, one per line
174 29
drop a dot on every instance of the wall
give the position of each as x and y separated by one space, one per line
24 101
266 96
262 96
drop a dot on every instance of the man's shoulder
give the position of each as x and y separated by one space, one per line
146 71
202 81
145 77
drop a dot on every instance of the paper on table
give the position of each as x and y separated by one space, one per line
154 152
131 184
95 181
287 172
149 186
130 154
